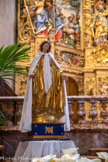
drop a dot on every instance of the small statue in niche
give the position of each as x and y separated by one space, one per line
100 23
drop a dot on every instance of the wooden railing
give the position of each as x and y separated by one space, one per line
98 111
5 89
12 108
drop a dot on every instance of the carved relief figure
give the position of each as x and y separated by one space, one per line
88 23
90 87
100 23
98 55
103 86
75 61
67 58
104 89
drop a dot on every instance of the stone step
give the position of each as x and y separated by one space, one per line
93 151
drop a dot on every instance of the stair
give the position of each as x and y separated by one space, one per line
92 151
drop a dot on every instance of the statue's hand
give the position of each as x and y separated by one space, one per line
64 77
31 75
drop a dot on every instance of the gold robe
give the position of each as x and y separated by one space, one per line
47 107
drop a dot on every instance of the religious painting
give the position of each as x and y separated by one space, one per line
62 17
100 22
39 13
67 22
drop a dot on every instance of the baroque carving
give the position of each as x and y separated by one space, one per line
99 55
36 19
20 84
100 23
90 86
88 25
95 23
68 58
103 86
80 82
66 35
22 87
24 25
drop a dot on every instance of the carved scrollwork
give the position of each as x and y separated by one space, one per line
88 25
24 32
22 85
81 60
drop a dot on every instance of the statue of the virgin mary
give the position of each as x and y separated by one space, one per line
45 98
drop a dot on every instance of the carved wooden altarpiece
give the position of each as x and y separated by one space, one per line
78 32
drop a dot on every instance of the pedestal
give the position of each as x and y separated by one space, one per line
47 131
31 149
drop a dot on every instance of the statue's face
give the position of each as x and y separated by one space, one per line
45 47
100 7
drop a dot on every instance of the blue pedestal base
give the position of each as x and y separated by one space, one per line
47 131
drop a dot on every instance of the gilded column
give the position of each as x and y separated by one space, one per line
88 23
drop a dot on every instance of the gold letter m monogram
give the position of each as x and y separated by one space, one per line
48 130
